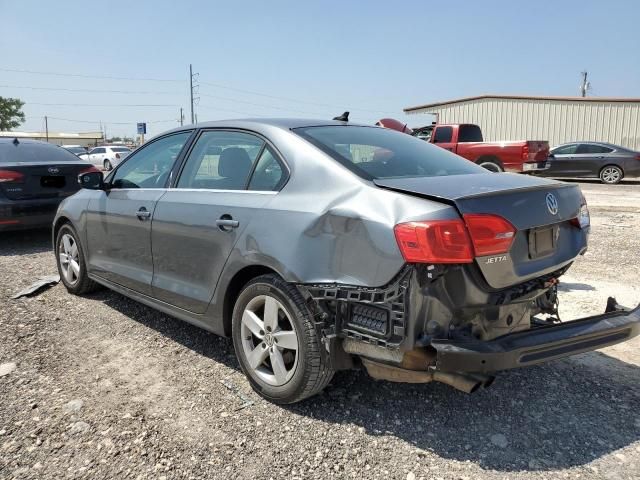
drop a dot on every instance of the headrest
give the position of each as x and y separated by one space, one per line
234 162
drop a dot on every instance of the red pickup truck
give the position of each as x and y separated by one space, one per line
466 140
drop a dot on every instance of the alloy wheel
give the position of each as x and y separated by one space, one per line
610 175
69 258
269 340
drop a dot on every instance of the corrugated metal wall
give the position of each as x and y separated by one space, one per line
558 121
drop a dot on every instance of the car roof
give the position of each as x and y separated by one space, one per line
606 144
283 123
26 141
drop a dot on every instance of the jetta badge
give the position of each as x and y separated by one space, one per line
552 204
54 170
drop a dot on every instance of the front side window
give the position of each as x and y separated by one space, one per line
591 148
150 166
98 151
221 160
374 153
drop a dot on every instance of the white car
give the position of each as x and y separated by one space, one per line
106 157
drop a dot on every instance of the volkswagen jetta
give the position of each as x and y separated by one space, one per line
320 246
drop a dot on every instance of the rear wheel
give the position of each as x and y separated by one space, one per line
491 166
611 174
70 260
276 341
107 165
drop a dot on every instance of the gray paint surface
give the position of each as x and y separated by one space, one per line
326 225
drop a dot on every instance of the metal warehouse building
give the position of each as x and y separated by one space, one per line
556 119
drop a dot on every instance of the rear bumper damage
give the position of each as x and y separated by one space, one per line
539 344
445 326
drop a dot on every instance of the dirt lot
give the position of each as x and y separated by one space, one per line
106 388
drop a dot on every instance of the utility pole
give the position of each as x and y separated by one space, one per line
192 88
46 128
181 117
585 85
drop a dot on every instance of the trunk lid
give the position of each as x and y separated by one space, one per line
545 239
42 179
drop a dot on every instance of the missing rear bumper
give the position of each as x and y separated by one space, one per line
540 344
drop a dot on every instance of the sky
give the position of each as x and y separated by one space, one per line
301 58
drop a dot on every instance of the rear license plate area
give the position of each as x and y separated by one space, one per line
52 182
542 241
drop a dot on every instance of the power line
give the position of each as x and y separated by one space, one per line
101 104
112 123
107 77
90 90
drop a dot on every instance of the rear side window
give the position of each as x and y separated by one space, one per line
565 150
469 133
34 152
221 160
268 174
98 150
443 135
373 152
590 148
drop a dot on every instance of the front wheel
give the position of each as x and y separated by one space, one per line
70 260
107 165
611 174
276 341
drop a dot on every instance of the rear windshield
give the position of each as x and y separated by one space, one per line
120 149
373 152
34 152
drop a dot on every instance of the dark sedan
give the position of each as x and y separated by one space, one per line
34 178
610 163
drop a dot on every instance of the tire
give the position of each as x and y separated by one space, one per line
107 165
611 174
303 371
76 280
491 166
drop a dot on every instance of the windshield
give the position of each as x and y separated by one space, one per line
75 150
374 153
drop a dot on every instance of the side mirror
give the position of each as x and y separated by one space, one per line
91 180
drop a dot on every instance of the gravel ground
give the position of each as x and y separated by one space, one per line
102 387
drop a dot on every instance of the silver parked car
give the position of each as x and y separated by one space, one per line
321 246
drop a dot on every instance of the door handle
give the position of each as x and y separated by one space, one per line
226 223
143 214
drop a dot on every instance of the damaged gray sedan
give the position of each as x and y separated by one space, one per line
319 246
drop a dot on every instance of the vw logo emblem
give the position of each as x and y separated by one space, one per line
54 170
552 203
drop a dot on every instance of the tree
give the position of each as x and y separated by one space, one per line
114 139
11 114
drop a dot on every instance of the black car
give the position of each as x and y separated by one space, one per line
611 163
34 178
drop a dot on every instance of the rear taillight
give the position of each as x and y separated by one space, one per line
583 220
525 152
435 241
490 234
87 170
454 241
10 176
118 156
637 157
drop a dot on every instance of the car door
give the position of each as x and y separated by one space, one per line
118 221
95 156
197 223
590 158
562 161
443 137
